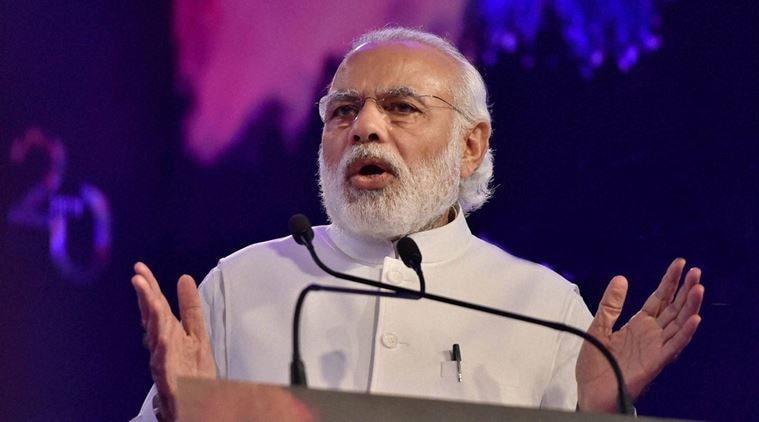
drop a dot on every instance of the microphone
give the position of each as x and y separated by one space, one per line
301 229
303 234
297 367
412 257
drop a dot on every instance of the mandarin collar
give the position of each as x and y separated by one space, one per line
436 245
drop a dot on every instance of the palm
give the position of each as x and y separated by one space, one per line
648 342
177 349
181 354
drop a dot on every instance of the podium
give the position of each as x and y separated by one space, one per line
215 400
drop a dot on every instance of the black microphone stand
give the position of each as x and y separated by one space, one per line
303 234
297 368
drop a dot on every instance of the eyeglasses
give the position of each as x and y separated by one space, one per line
401 106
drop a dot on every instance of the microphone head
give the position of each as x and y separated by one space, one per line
409 252
300 228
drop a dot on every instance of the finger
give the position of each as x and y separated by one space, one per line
154 288
610 307
160 373
153 326
692 278
677 343
664 293
691 308
692 305
673 310
190 308
161 321
150 301
142 290
143 270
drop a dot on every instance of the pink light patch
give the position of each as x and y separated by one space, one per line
235 56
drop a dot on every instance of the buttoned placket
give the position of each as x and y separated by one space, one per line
390 338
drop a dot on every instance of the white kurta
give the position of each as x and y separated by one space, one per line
389 345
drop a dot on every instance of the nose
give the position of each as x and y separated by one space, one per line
370 123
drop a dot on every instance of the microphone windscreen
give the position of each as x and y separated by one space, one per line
409 252
300 228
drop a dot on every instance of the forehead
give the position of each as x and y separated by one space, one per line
376 67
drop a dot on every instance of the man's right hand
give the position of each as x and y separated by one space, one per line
176 348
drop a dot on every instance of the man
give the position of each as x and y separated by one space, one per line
405 151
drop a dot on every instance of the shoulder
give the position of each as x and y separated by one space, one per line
511 282
495 259
265 267
268 258
283 248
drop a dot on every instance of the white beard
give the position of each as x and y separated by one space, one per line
414 200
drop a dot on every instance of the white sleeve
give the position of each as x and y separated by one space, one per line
561 393
214 309
212 298
147 413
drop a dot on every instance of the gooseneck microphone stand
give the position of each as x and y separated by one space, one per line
303 234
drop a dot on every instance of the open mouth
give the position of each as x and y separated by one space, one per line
369 173
370 170
368 167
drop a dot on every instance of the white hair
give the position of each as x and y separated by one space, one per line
469 95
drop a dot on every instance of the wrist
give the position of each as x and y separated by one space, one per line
159 409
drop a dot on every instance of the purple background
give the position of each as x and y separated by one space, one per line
616 174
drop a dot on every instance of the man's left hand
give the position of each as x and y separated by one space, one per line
646 344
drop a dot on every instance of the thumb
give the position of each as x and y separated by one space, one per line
610 307
190 308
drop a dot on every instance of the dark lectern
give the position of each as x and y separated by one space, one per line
212 400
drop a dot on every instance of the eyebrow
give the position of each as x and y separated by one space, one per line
343 93
400 91
393 91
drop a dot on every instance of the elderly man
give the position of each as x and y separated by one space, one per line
405 152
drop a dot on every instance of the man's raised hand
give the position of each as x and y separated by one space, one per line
646 344
176 348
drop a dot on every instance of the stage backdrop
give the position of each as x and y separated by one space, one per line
625 135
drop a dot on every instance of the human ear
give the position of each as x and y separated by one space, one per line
475 143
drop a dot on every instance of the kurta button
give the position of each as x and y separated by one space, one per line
390 340
395 277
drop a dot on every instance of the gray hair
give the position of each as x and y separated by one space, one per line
470 96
